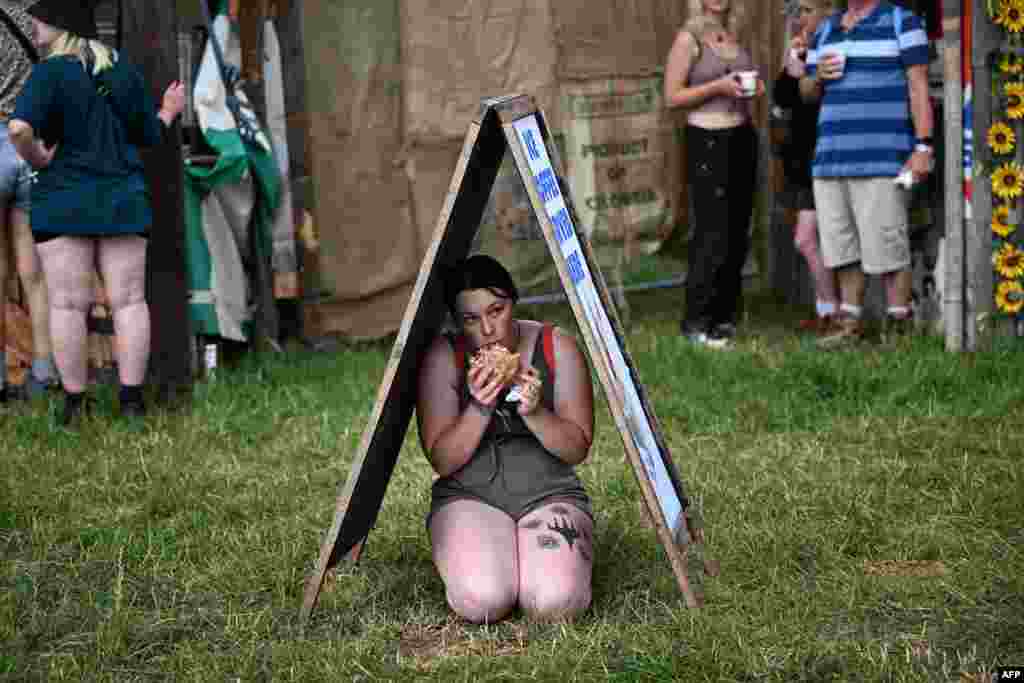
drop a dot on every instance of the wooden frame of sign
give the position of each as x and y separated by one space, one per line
516 123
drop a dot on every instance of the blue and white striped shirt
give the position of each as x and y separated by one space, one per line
865 128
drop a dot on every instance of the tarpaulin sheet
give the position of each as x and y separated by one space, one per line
615 38
455 52
623 159
368 239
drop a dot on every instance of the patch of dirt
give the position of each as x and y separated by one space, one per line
904 568
428 643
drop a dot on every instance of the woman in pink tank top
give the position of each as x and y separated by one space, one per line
712 77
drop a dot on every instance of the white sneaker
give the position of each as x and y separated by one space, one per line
715 341
703 339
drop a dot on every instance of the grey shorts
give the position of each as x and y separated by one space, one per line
15 176
865 220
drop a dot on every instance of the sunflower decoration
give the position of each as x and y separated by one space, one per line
1010 296
1008 181
1010 15
1014 91
1009 261
1001 221
1001 138
1010 63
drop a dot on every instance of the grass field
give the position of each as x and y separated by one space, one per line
867 509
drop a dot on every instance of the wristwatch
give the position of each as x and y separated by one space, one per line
923 144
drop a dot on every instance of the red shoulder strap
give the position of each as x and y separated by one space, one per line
549 348
460 353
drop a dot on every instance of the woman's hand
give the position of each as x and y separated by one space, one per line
796 57
529 383
43 155
484 386
729 86
173 103
831 65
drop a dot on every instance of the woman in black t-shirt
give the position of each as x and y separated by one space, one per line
79 122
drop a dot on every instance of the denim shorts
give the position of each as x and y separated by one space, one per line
15 176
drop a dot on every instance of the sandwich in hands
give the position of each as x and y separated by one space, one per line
496 357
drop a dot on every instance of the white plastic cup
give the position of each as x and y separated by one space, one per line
832 53
210 357
748 82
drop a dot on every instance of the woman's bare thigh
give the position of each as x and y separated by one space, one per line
556 557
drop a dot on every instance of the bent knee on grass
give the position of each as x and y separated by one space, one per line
481 602
555 601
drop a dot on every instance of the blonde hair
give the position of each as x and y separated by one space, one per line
92 53
698 23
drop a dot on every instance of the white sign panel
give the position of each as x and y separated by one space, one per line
545 182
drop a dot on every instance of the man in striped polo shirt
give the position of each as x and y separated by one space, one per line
869 67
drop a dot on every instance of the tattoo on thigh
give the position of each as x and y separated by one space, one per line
586 553
545 542
567 529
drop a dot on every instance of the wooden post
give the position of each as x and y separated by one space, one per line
955 177
250 27
149 39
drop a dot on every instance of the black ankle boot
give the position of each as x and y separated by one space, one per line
74 406
132 402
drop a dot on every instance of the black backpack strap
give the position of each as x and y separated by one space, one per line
19 35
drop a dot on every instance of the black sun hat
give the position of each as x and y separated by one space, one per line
77 17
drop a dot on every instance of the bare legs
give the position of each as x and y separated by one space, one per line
852 283
474 548
68 263
898 288
3 304
123 267
489 564
556 556
806 239
30 271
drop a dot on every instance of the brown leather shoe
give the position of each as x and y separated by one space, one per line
821 325
849 332
809 325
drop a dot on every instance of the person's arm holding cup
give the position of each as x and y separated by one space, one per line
750 84
796 57
824 65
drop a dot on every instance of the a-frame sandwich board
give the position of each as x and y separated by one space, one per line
516 123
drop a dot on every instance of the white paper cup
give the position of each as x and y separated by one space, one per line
748 82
